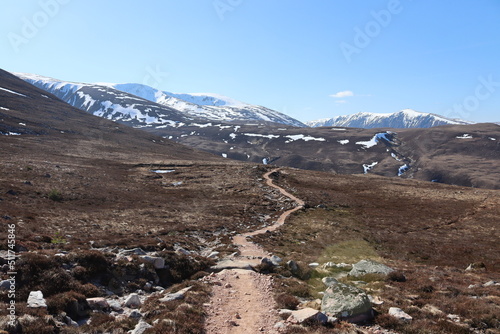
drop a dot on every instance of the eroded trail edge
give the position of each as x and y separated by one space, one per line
242 300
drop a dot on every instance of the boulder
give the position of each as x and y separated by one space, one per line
140 328
329 281
133 301
175 296
158 262
35 299
364 267
307 315
399 314
293 266
98 303
347 302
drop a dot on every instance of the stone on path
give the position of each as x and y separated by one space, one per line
231 264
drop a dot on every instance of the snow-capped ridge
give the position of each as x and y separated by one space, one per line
406 118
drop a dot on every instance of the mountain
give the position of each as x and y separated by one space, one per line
209 106
41 123
141 105
464 155
406 118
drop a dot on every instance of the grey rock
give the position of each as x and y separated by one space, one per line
329 281
293 266
98 303
140 328
115 305
135 314
133 251
133 301
364 267
346 302
307 314
70 322
5 284
231 264
35 299
276 260
399 314
175 296
158 262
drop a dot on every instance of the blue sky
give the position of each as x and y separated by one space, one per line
309 59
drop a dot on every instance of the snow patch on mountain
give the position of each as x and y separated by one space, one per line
375 139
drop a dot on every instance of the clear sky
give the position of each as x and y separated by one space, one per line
309 59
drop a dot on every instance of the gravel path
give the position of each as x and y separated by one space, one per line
242 300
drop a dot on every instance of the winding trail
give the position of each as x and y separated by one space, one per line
242 300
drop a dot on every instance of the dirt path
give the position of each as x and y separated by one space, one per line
242 300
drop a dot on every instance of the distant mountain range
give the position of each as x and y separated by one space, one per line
140 105
403 119
466 155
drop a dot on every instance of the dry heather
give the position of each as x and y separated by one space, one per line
429 232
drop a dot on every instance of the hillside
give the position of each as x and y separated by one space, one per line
143 106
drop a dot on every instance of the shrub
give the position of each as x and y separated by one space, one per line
55 195
396 276
287 301
73 303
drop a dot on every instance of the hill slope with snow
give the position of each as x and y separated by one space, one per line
209 106
403 119
142 105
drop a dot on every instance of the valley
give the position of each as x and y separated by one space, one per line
123 230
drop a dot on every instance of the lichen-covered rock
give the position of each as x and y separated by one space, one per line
364 267
347 302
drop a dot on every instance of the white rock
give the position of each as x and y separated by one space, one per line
489 283
35 299
133 300
399 314
115 305
213 255
314 265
